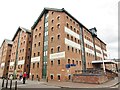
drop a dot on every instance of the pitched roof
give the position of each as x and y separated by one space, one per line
7 41
45 10
23 29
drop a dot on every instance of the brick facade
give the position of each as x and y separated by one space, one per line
57 45
60 44
5 57
21 52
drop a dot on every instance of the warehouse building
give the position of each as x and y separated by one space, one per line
21 52
61 45
5 55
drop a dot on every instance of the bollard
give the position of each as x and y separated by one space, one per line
6 83
10 84
15 85
38 78
3 83
47 79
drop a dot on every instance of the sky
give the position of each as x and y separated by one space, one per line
102 14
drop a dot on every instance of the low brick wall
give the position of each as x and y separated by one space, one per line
97 79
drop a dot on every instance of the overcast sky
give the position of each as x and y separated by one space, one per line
102 14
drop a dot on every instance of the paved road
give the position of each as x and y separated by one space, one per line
53 84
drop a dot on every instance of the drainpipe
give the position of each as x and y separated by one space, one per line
83 50
16 59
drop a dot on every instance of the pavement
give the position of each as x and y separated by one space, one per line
57 84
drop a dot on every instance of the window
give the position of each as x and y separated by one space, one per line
75 39
68 61
18 66
40 28
34 54
67 17
39 44
58 26
79 51
35 36
73 62
23 50
28 57
67 36
38 53
58 18
29 42
58 37
74 22
21 66
58 62
71 27
33 65
36 30
51 50
25 36
77 62
51 63
58 48
34 45
51 76
52 39
37 76
52 28
29 49
68 47
58 77
69 77
78 41
76 50
67 25
39 34
72 49
52 21
80 62
74 30
72 38
38 65
52 13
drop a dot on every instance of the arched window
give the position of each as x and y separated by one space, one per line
58 48
58 26
58 37
52 39
52 50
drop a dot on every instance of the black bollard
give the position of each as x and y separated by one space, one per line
15 85
3 83
38 78
47 79
6 83
10 84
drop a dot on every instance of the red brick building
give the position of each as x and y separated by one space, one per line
61 45
5 55
21 52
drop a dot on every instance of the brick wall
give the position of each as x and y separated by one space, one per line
90 79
